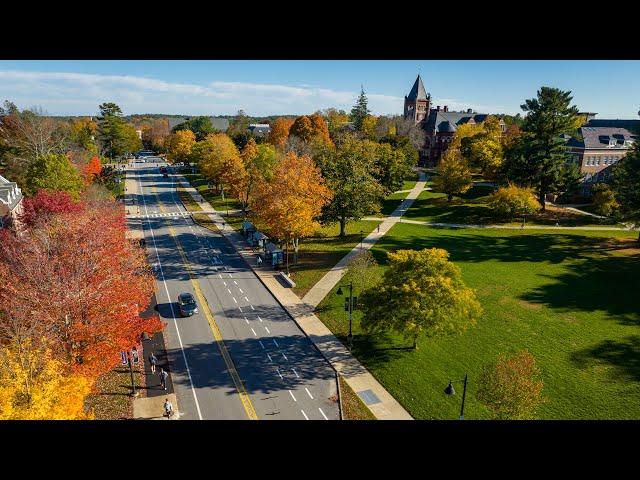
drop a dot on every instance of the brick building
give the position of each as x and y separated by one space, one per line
439 124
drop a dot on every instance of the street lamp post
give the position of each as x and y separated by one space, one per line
339 292
361 237
133 383
450 391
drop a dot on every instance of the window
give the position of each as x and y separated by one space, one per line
598 161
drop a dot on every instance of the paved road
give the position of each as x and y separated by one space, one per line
241 356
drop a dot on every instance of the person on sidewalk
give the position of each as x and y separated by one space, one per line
168 408
153 361
259 261
163 378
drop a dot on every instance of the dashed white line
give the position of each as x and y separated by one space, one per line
259 318
254 332
240 308
235 282
246 299
229 291
225 283
220 275
274 341
308 393
234 299
252 307
325 417
305 415
270 359
230 276
261 344
281 377
296 373
285 357
241 291
245 319
294 398
267 330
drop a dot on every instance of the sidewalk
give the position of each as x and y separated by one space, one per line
333 276
378 400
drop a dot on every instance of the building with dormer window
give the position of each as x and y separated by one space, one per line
10 203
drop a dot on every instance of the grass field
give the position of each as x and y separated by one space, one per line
472 208
569 298
113 400
318 254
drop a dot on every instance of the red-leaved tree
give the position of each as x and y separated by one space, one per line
92 169
46 203
77 282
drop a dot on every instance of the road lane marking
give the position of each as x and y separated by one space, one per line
234 299
252 307
294 398
259 318
230 276
305 415
285 357
261 344
269 358
229 291
254 332
325 417
225 283
267 330
274 341
308 392
235 376
235 282
241 291
281 377
245 319
240 308
296 373
246 299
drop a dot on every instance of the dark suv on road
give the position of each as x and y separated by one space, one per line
187 304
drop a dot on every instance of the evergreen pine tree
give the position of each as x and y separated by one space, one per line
360 110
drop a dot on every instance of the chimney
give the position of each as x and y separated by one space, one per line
446 108
438 108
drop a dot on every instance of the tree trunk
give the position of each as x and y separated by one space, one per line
343 222
296 245
541 199
449 197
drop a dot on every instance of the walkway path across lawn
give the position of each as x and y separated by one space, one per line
507 227
333 276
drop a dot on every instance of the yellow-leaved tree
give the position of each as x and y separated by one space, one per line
511 201
454 175
179 145
215 155
287 206
36 386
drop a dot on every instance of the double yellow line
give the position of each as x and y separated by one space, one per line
242 392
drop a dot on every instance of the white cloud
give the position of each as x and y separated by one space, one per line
70 93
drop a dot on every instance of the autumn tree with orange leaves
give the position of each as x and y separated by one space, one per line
280 132
287 207
92 169
76 282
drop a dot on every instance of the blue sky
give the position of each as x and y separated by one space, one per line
610 88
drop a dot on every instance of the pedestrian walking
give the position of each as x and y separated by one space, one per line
153 361
259 261
168 408
163 378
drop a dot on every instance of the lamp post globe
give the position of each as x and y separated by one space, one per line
450 390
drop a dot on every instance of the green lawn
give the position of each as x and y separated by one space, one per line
472 208
235 218
569 298
320 253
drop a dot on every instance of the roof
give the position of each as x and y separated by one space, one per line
217 123
10 194
600 137
631 125
261 129
441 121
417 92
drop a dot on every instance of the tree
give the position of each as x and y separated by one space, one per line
259 163
320 128
509 202
336 119
200 126
238 131
393 166
604 199
625 182
349 170
421 293
83 134
485 149
92 169
361 270
54 172
287 206
213 154
360 111
369 127
510 387
117 136
78 283
454 175
155 134
280 132
302 128
549 116
179 146
46 203
36 386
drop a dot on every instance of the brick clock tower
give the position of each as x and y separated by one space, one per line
417 103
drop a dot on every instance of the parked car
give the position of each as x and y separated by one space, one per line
187 304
